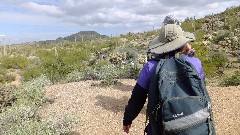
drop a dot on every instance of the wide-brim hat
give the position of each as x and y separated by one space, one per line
171 37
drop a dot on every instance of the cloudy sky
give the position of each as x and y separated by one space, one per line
36 20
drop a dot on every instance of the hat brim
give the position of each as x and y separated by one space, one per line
158 47
189 35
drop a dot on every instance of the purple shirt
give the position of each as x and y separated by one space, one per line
149 69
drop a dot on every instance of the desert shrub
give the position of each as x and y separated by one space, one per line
55 69
109 74
15 62
110 44
212 62
199 35
37 126
57 66
233 80
27 127
187 26
31 73
6 96
21 117
220 36
75 76
219 59
4 77
32 91
61 126
90 73
150 33
28 98
130 50
102 63
130 36
130 72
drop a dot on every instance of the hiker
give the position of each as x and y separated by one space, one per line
161 47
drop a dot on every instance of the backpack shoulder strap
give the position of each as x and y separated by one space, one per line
181 56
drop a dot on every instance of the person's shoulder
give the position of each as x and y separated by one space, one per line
192 58
151 64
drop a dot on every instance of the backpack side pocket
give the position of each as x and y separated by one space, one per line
184 113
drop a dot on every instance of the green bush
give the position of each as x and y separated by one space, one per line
220 36
58 64
21 119
56 69
28 98
31 73
108 74
75 76
28 127
101 63
212 62
4 77
15 62
32 92
199 35
233 80
130 50
130 72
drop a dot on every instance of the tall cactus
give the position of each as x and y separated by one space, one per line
9 47
4 48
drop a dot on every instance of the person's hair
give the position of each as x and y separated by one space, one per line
185 49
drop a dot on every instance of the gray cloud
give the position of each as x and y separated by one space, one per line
43 9
117 15
85 12
126 12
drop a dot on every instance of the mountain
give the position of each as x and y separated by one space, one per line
80 36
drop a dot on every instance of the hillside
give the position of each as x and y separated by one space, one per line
219 33
77 37
82 36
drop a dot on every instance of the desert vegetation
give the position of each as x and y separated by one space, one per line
107 60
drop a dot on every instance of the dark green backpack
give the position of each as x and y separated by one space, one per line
178 101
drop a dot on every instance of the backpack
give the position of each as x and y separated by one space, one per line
178 101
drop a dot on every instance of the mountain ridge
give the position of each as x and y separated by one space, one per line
76 37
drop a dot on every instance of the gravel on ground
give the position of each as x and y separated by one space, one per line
100 109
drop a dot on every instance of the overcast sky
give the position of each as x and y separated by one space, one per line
36 20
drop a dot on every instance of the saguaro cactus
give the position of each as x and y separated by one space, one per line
4 48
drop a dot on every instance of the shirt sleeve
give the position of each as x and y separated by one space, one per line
146 73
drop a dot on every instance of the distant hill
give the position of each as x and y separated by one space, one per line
80 36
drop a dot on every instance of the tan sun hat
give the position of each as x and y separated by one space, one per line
171 37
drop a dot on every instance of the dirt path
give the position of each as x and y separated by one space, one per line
100 109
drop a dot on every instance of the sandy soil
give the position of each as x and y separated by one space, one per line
100 109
